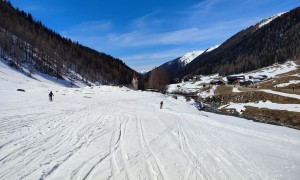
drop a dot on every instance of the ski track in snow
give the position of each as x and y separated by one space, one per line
46 144
122 134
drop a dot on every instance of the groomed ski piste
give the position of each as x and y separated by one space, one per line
105 132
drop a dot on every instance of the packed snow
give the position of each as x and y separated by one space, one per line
105 132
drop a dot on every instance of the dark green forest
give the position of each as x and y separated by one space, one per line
252 48
27 40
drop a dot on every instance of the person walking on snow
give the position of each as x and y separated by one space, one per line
50 95
161 104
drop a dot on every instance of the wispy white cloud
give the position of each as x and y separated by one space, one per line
137 38
217 30
201 8
204 6
151 31
147 20
88 28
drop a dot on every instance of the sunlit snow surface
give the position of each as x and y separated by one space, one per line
268 20
294 82
240 107
190 56
114 133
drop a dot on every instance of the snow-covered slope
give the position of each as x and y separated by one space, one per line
212 48
272 71
176 65
173 66
114 133
18 79
189 57
268 20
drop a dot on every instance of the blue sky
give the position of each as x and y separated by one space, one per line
148 33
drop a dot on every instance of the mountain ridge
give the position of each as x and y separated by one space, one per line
271 40
25 40
252 48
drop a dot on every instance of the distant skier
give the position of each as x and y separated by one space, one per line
161 104
50 95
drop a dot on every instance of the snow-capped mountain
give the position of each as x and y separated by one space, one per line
144 71
173 66
272 40
190 56
212 48
268 20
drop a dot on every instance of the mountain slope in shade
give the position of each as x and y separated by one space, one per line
268 20
26 41
176 65
275 39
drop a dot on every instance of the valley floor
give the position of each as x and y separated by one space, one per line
114 133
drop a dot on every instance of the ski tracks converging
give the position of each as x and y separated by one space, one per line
120 134
146 150
117 153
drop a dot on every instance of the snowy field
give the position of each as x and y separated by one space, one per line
114 133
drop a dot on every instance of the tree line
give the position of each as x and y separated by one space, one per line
29 41
252 48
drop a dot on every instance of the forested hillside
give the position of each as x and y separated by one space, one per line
27 41
257 46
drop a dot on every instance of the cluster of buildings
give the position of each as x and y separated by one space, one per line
241 80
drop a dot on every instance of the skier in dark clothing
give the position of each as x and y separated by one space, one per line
50 95
161 104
